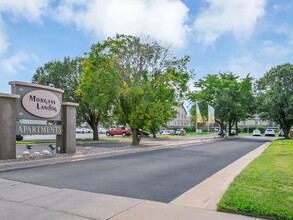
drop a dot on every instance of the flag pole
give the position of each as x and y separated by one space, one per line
208 121
195 118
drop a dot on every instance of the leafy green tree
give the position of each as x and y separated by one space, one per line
99 84
229 96
243 105
275 96
60 74
66 75
150 82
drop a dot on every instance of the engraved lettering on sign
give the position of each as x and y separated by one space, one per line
42 103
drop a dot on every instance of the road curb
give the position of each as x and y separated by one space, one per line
207 194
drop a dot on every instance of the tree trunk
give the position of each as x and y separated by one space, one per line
286 129
222 128
229 127
286 133
135 136
153 132
95 133
236 124
94 126
221 123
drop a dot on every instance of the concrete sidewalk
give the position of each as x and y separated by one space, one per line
20 201
208 193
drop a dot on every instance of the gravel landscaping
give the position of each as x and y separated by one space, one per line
90 148
93 148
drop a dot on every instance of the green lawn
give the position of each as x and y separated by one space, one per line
36 141
265 187
192 133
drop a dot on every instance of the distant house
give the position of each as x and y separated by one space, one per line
253 122
181 120
256 121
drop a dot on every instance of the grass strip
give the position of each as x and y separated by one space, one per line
265 187
36 142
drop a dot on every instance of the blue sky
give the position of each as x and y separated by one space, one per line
240 36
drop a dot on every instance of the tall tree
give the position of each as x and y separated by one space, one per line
226 94
150 81
66 75
99 84
242 105
275 96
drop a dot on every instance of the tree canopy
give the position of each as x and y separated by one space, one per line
144 77
275 96
66 75
229 96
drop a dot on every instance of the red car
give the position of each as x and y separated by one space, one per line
119 131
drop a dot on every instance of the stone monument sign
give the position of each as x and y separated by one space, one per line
36 102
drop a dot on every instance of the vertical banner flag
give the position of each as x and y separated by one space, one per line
211 114
199 119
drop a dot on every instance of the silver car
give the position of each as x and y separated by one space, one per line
270 132
256 133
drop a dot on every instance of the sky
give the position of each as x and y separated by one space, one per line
239 36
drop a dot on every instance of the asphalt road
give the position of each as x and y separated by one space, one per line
159 175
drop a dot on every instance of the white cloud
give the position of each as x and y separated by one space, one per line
272 49
236 16
281 7
163 20
3 37
287 31
16 62
247 64
31 10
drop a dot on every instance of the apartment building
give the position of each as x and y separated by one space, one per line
181 120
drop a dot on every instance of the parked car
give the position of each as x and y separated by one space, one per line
233 132
86 130
167 132
178 131
102 131
256 133
119 131
19 137
78 130
270 132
